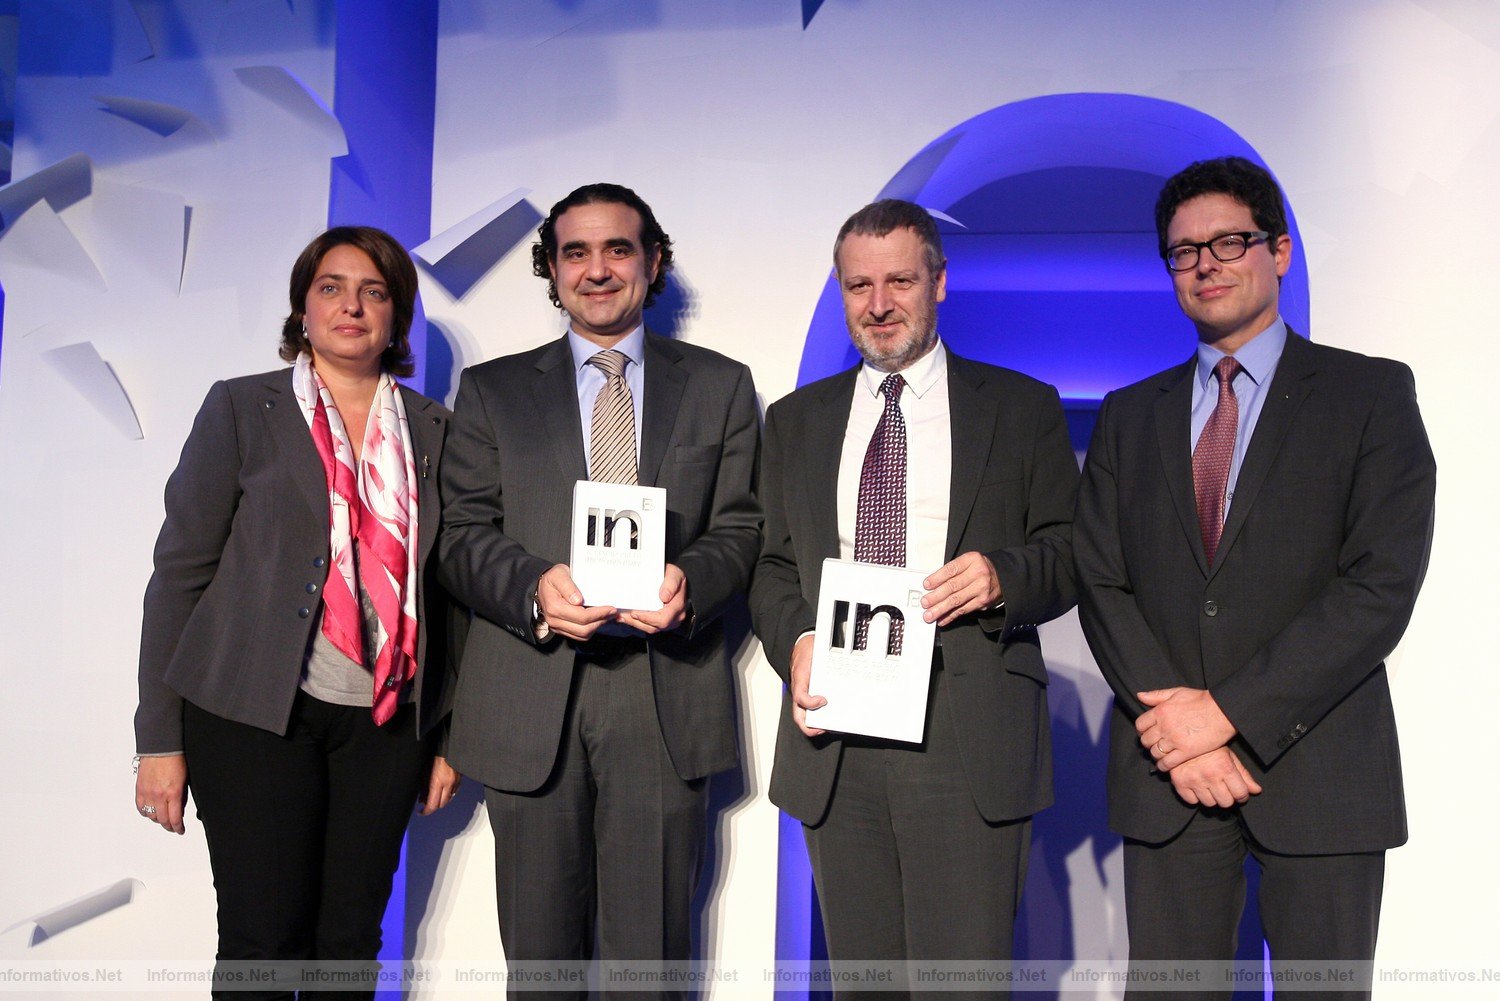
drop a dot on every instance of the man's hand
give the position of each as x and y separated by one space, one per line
160 789
673 611
1217 778
966 584
442 786
563 609
801 701
1181 724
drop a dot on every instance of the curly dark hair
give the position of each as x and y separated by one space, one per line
1248 183
394 265
544 250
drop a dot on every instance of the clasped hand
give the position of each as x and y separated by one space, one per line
967 583
1186 733
564 612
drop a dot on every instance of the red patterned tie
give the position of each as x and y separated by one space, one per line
1212 457
880 519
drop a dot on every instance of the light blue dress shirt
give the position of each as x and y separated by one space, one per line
590 380
1258 360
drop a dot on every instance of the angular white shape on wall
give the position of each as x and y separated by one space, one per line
138 236
40 242
163 119
463 253
83 369
63 183
945 217
75 912
277 85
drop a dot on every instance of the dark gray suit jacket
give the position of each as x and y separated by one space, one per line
1324 548
241 561
516 451
1011 497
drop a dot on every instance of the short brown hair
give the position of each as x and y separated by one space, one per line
395 267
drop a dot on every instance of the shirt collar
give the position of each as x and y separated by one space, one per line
632 345
921 375
1257 356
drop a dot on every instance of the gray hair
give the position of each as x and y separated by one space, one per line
889 214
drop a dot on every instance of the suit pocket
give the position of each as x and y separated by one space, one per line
1007 470
1307 466
695 453
1027 662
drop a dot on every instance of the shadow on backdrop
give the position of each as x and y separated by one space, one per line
726 790
673 308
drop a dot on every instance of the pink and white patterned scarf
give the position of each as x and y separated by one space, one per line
374 504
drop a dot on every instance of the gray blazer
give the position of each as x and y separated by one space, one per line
241 561
1323 551
1011 497
516 451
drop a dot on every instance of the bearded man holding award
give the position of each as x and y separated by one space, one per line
961 471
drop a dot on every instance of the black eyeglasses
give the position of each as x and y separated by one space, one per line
1226 248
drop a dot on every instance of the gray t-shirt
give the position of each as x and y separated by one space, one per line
329 676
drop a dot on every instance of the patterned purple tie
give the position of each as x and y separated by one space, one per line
1212 457
880 519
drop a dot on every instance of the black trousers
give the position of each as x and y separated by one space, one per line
304 831
1183 900
906 867
613 840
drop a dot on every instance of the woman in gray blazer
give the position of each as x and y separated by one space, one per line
295 651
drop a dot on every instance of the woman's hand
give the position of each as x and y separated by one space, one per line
161 790
442 786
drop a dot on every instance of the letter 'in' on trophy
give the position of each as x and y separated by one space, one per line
872 658
619 544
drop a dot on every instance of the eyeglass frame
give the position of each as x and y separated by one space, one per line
1249 236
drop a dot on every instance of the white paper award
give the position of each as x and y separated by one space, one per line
619 544
871 688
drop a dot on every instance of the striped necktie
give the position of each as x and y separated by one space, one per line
612 433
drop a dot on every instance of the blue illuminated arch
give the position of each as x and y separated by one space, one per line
1053 268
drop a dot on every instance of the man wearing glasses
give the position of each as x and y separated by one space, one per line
1252 529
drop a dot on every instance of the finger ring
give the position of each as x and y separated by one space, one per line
1160 749
148 811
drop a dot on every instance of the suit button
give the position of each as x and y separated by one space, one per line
1284 743
319 562
303 613
437 420
1210 608
1299 729
270 404
312 588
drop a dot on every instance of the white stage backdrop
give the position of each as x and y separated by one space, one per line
753 138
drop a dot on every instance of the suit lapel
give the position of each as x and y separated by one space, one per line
971 418
1174 440
819 456
1289 387
664 385
555 393
293 440
426 426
